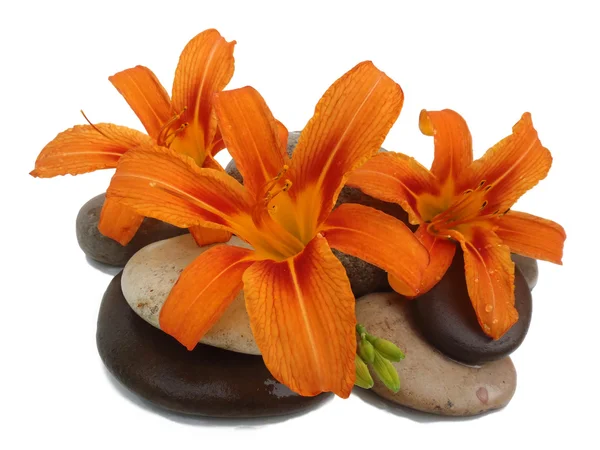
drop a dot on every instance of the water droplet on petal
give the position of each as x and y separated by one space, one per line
486 328
495 321
476 280
489 308
152 184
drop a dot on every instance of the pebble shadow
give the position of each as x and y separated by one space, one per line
239 423
104 268
408 413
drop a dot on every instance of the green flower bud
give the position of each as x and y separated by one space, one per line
366 351
363 377
362 332
386 373
387 349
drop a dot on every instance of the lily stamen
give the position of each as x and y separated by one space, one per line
171 136
271 184
271 195
163 134
464 209
95 127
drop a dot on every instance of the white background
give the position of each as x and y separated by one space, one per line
488 61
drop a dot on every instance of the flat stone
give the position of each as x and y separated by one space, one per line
429 381
528 267
364 277
206 381
101 248
448 321
150 275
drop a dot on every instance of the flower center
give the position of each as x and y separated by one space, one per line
169 130
468 207
274 236
271 190
183 137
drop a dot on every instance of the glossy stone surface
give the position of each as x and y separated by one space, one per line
529 269
364 277
150 274
429 381
101 248
207 381
447 319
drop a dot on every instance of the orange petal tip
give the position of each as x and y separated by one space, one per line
425 124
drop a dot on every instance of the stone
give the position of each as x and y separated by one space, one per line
364 277
528 267
429 381
150 275
105 250
448 321
206 381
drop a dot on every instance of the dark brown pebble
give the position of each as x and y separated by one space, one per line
529 269
101 248
447 319
206 381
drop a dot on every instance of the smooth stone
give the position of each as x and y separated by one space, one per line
429 381
528 267
150 275
101 248
448 321
206 381
364 277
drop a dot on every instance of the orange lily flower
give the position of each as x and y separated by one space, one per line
298 295
185 123
466 201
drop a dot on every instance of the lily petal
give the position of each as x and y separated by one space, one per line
490 275
203 292
206 236
205 67
511 167
283 138
452 140
146 96
119 222
532 236
85 148
379 239
218 143
252 137
441 253
158 182
302 317
397 178
211 163
349 125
